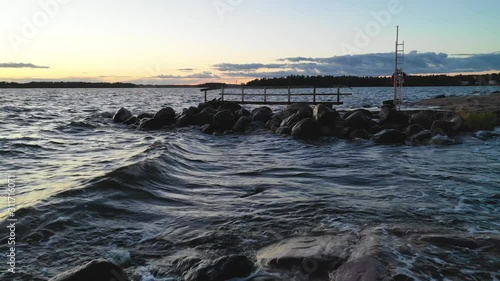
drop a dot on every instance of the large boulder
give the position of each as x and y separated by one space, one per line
444 128
132 121
305 112
307 129
290 121
363 269
389 136
326 251
358 120
414 129
242 112
242 124
97 270
283 131
229 105
145 116
421 138
324 115
224 268
421 119
122 115
392 116
360 134
262 114
224 120
202 118
165 116
185 119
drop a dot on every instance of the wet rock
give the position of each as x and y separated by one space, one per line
132 121
360 134
363 269
305 112
223 120
224 268
97 270
202 118
421 119
229 105
186 119
242 124
209 110
145 116
442 140
243 112
262 114
331 130
122 115
444 128
290 121
307 129
284 131
421 138
392 116
324 115
399 127
358 120
165 116
389 136
328 251
486 135
208 129
414 129
375 129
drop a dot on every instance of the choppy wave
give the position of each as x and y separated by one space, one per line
91 188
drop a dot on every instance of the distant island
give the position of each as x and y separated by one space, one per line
292 80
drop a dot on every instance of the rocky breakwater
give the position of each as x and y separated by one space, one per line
389 126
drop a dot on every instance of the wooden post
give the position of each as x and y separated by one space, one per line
289 94
338 94
265 94
314 95
205 95
222 93
242 94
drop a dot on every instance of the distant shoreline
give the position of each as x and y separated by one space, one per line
291 80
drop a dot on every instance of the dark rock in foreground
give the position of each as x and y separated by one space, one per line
97 270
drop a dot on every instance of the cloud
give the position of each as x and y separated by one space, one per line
201 75
186 69
376 64
20 65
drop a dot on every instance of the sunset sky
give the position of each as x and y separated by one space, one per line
194 41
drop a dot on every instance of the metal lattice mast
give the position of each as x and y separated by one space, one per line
398 70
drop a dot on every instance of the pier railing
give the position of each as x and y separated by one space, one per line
279 95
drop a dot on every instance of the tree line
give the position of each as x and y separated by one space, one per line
370 81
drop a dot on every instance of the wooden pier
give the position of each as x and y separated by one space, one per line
279 95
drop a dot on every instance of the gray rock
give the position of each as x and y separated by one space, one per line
97 270
306 129
392 116
122 115
444 128
224 268
414 129
360 134
421 138
242 124
262 114
389 136
224 120
202 118
421 119
132 121
165 116
145 116
293 251
358 120
363 269
284 131
324 115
